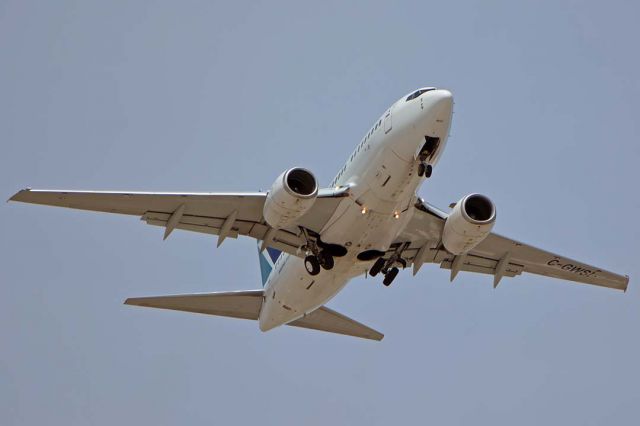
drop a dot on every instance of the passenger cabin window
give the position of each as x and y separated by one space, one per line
417 93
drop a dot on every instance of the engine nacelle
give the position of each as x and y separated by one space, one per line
290 196
470 221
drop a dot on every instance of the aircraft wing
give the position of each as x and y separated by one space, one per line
222 214
246 304
495 255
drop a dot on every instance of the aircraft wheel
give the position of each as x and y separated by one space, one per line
312 265
377 267
326 260
421 169
428 170
390 276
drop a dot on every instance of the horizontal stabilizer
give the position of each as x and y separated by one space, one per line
246 304
326 319
236 304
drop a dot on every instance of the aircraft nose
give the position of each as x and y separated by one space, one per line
439 106
443 99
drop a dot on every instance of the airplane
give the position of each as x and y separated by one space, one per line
312 241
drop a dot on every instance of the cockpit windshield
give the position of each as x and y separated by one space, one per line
418 93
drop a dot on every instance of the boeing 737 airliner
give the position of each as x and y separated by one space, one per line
369 220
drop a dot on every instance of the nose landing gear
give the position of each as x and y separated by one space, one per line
425 169
428 151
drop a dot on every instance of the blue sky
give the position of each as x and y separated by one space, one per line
223 96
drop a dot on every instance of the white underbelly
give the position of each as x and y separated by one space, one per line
369 219
294 293
373 216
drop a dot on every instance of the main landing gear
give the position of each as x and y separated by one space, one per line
387 266
323 260
390 273
312 264
319 254
390 276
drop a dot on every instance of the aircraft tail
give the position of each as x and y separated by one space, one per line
268 258
246 304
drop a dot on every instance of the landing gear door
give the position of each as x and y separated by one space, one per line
387 122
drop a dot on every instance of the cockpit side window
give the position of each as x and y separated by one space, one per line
417 93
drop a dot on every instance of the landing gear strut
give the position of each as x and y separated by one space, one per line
428 150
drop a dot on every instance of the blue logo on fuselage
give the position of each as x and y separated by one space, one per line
268 258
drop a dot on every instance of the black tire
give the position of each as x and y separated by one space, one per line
312 265
326 260
428 170
390 276
421 169
377 267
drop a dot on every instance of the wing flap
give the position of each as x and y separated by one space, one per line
198 212
282 240
471 264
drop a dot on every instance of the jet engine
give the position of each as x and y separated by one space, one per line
470 221
290 196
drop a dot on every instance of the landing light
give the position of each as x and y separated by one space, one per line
396 215
364 210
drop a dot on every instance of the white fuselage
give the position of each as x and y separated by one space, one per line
382 177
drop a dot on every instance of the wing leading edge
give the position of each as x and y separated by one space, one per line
222 214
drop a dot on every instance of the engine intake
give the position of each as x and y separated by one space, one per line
301 182
470 221
290 197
